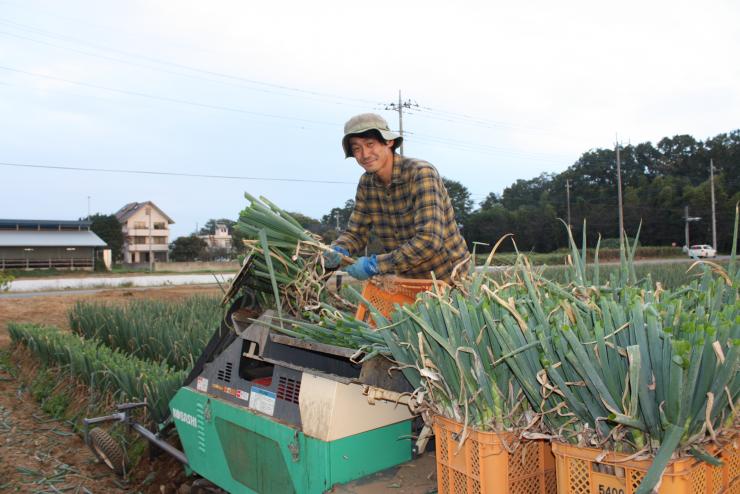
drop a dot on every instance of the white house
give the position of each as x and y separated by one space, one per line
146 232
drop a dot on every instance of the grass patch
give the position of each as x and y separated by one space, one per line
559 257
669 275
56 404
42 385
6 364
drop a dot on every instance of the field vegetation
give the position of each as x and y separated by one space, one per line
171 332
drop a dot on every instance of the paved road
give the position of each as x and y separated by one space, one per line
95 282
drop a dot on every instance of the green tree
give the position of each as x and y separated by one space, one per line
311 224
488 225
339 217
107 227
5 279
190 248
491 200
460 199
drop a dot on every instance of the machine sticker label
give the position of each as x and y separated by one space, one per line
262 400
185 417
243 395
202 384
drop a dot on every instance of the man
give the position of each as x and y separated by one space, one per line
404 202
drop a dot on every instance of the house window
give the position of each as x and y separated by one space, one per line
160 226
139 225
71 248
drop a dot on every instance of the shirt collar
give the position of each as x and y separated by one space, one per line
395 174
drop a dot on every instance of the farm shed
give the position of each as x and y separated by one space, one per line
29 244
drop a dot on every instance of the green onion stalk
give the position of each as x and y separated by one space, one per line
288 265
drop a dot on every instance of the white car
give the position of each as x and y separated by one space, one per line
702 251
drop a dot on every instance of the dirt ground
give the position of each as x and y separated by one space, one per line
40 454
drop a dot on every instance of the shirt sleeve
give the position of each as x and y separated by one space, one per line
427 242
355 237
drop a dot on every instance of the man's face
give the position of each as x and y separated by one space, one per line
371 154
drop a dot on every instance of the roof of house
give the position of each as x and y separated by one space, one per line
83 238
7 224
132 207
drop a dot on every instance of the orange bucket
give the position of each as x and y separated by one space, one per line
385 295
579 472
484 464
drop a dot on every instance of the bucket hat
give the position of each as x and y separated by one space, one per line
364 122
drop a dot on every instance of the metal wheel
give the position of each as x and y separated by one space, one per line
108 450
203 486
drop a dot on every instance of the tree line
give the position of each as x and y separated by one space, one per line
658 183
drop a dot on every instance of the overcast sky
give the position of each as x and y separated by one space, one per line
261 90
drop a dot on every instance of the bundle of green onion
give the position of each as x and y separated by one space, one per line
288 262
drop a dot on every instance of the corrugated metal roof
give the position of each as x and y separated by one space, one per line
13 223
50 239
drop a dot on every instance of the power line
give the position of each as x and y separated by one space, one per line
51 34
482 146
474 149
164 98
174 174
240 84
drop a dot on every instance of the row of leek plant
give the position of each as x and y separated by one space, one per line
108 371
171 332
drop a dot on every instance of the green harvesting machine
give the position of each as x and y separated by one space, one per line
263 412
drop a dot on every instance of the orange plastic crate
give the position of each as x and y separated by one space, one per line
484 465
384 298
580 473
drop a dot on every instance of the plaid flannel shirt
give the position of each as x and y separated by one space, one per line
412 217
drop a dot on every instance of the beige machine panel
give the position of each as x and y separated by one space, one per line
332 410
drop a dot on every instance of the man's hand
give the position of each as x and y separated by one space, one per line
364 268
332 257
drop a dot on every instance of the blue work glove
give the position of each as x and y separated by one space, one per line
364 268
332 257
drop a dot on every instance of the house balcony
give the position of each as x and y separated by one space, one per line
148 247
144 232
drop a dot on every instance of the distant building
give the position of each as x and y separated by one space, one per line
221 239
146 232
29 244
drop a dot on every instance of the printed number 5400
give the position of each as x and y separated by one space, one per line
609 490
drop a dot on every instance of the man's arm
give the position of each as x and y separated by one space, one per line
427 191
355 237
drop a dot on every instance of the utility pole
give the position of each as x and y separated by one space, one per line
88 205
336 215
151 260
399 108
689 219
619 192
567 195
714 218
